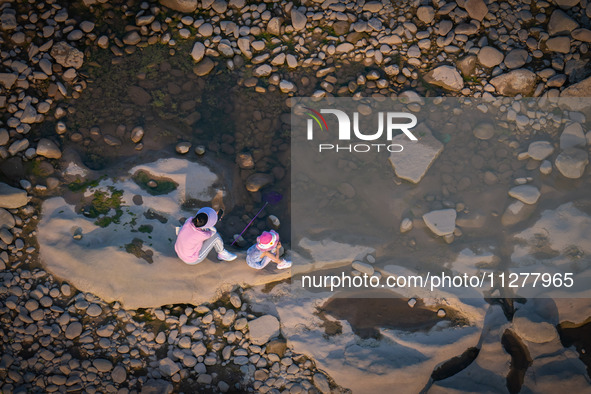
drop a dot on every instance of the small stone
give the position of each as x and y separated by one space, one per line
546 167
441 222
321 383
298 20
185 343
60 127
447 77
160 338
406 225
235 300
572 162
257 181
66 290
287 86
102 365
204 67
73 330
119 374
520 81
137 133
573 136
477 9
274 26
183 147
441 313
48 148
200 150
11 197
540 150
94 310
245 160
426 14
363 267
198 349
516 58
67 55
561 23
484 131
168 367
198 51
262 329
132 38
205 30
18 146
583 35
263 70
558 44
412 302
87 26
527 194
490 57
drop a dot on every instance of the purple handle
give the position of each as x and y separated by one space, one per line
248 225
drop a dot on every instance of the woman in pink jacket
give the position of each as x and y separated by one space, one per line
198 237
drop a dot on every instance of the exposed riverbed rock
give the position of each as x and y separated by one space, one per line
441 222
180 5
417 156
447 77
257 181
67 55
263 329
515 82
572 162
540 150
48 148
11 197
580 89
527 194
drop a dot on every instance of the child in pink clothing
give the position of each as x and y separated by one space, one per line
266 250
198 237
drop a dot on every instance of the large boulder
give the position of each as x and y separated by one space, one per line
561 23
48 148
447 77
11 197
264 328
67 55
417 156
579 89
441 222
490 56
477 9
298 20
520 81
527 194
180 5
572 162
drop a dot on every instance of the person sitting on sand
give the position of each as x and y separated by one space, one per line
198 236
266 250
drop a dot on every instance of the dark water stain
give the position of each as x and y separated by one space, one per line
578 336
368 315
520 360
455 364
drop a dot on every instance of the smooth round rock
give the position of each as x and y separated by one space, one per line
484 131
94 310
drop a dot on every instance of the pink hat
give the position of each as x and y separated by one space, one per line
267 240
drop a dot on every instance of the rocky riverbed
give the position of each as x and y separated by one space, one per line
91 89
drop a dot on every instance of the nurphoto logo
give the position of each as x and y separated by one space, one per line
346 128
